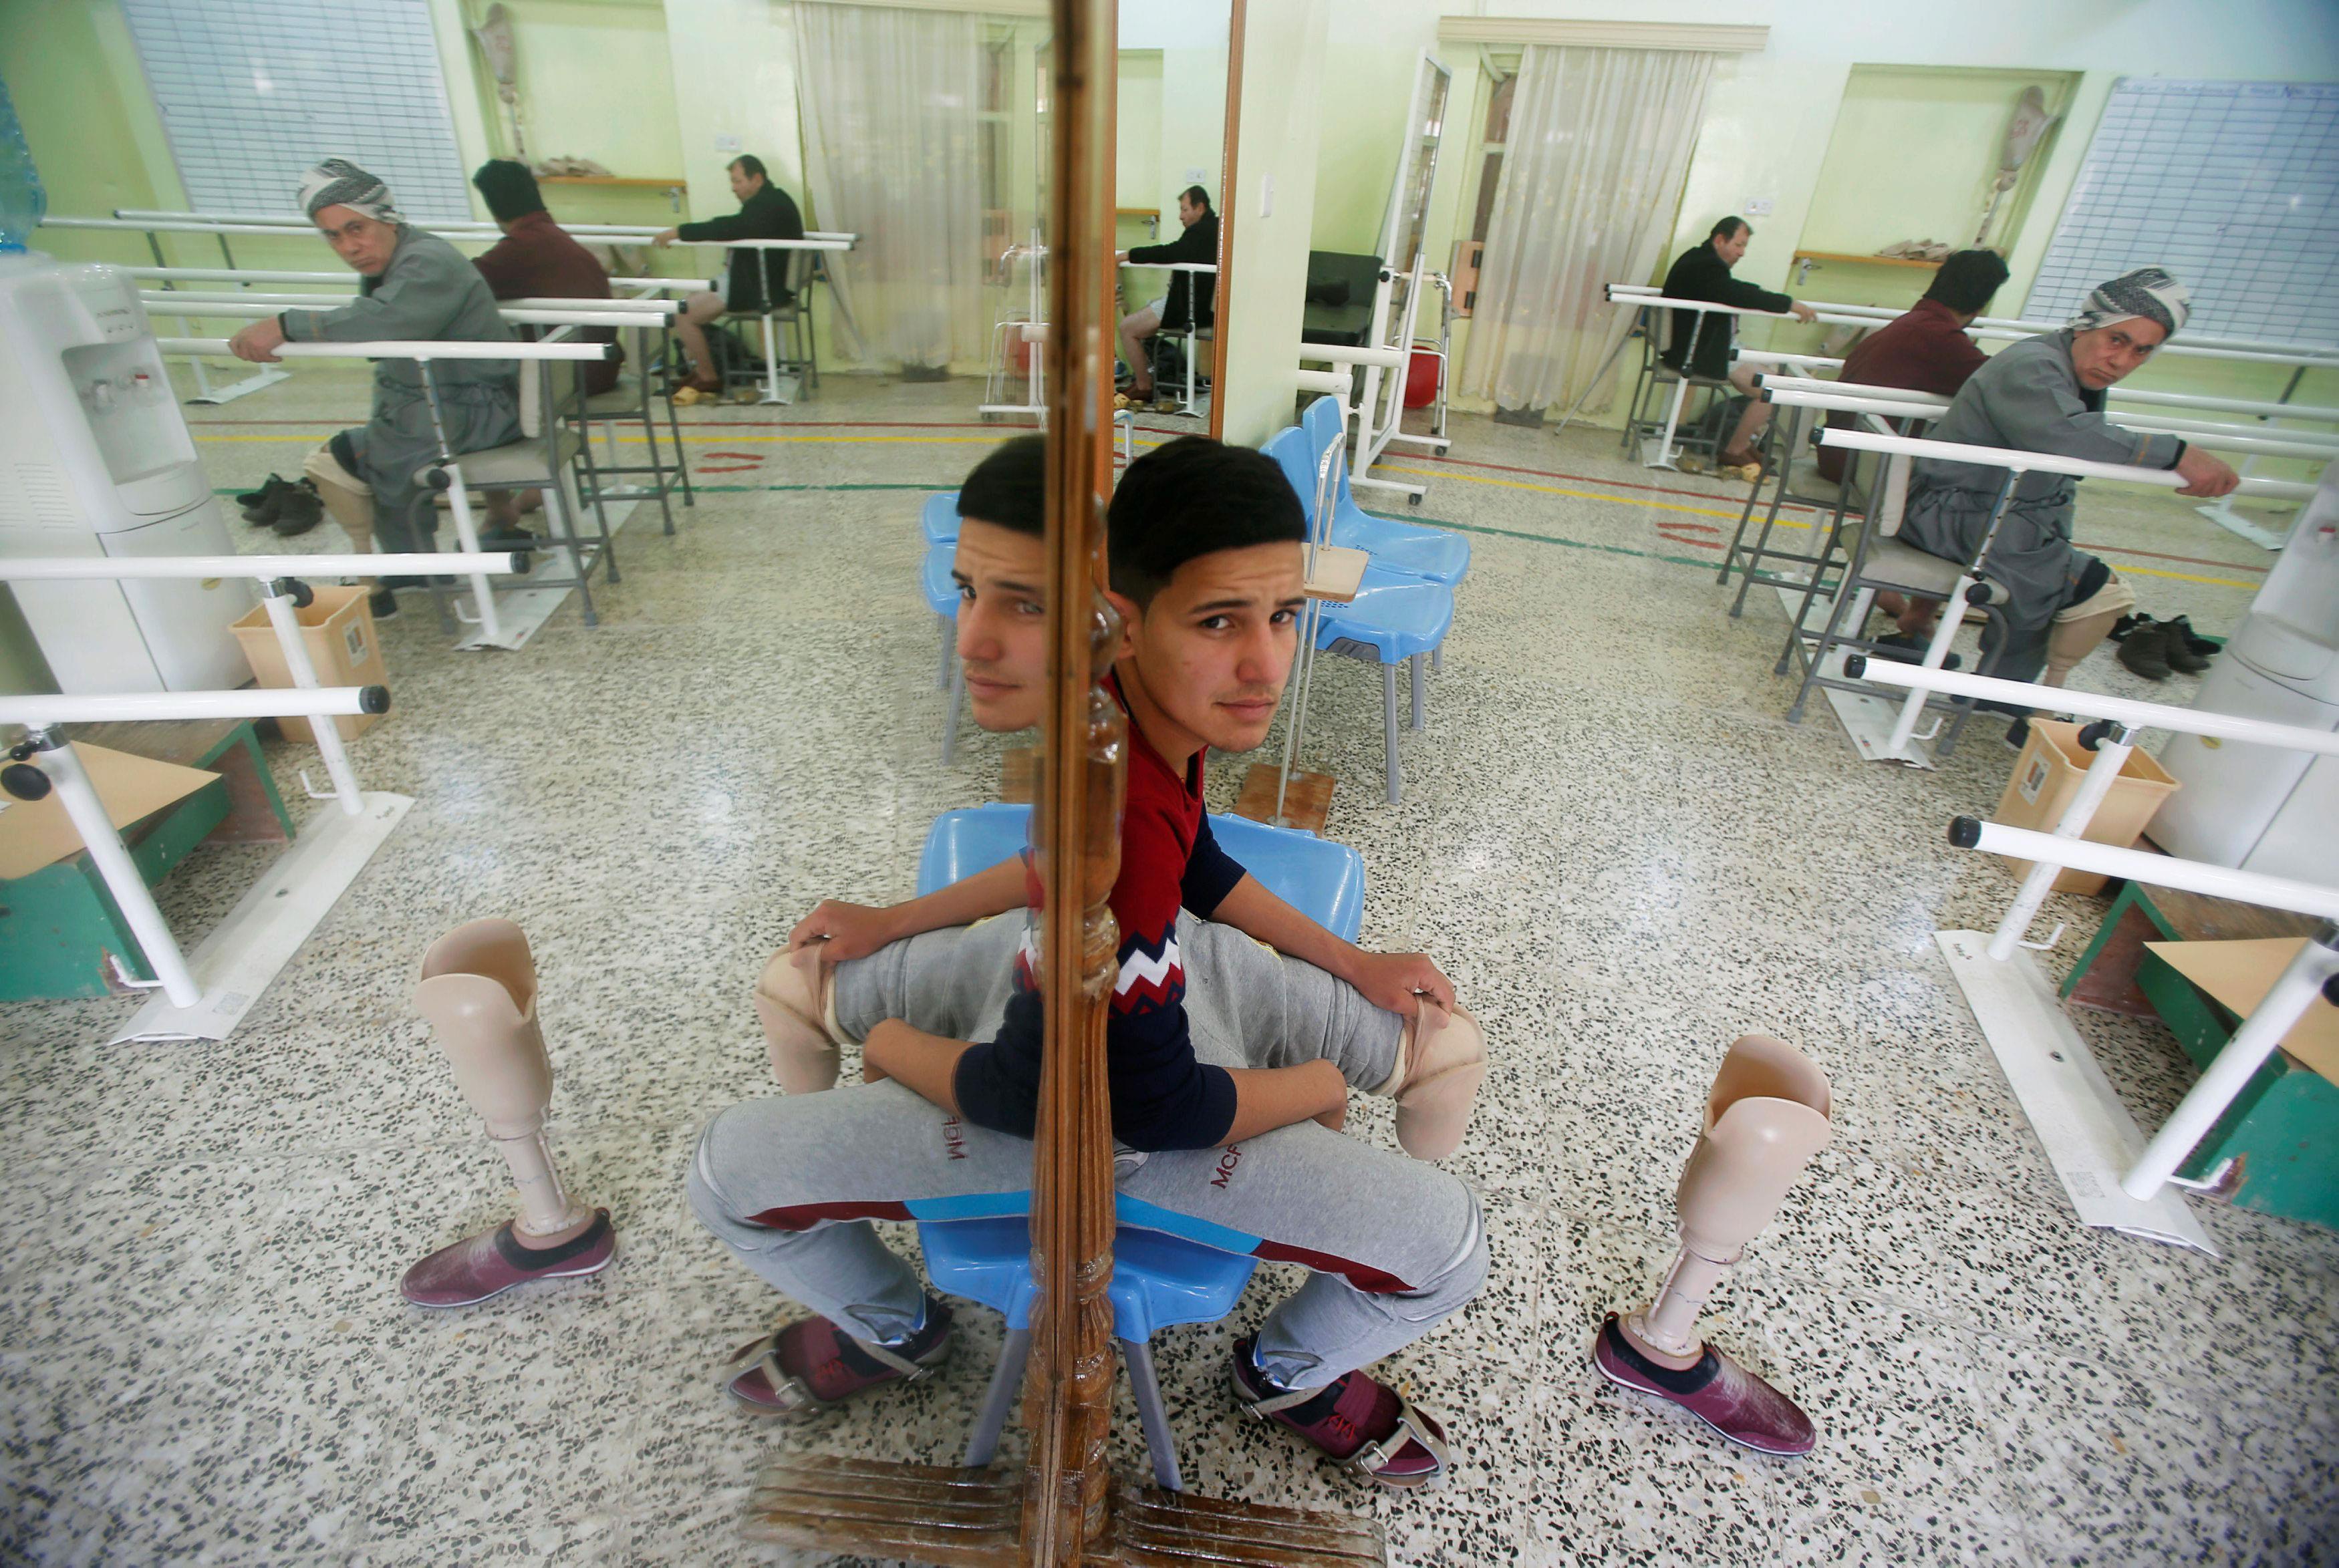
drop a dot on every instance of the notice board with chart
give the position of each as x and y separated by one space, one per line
2233 186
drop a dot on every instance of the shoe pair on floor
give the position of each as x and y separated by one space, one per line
2159 649
811 1366
288 507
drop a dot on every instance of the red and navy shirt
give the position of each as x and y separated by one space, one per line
1162 1097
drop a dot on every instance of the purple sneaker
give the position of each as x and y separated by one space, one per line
1368 1426
493 1261
812 1364
1717 1391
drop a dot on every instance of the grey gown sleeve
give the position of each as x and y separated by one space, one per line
417 299
2038 413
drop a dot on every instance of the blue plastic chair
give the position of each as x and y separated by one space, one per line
937 520
934 580
1433 555
1395 619
1167 1269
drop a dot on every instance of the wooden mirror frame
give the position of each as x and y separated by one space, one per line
1229 167
1063 1509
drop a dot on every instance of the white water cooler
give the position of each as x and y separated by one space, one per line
2261 808
95 460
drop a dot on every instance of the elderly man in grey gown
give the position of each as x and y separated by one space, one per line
2045 394
411 286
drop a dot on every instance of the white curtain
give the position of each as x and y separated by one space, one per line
889 99
1593 166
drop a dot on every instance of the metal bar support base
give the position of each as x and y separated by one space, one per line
237 962
267 376
2090 1138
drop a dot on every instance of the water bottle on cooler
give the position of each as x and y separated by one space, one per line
23 201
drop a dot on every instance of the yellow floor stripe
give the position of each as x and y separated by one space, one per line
1709 512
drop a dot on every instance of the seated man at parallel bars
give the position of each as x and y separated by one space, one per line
2045 394
411 287
1701 339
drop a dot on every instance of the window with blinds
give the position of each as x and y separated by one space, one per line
253 92
2233 186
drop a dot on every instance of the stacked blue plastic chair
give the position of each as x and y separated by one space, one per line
1434 555
1167 1269
1399 619
937 520
934 580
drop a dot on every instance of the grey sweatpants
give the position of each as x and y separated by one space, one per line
790 1183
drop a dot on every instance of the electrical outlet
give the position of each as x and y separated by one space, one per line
1758 206
728 144
1197 175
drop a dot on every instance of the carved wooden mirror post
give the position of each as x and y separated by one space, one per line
1063 1509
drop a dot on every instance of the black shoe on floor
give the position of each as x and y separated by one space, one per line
2186 653
297 511
2146 651
2018 734
260 506
1908 650
383 603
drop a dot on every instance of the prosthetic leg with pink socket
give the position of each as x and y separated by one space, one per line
478 991
1765 1118
796 999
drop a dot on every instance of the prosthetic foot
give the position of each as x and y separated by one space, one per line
795 998
1441 1061
478 991
1766 1116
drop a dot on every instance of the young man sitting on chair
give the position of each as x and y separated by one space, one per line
1224 1095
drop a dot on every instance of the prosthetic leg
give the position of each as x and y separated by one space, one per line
347 497
478 991
795 998
1440 1063
2079 628
1766 1116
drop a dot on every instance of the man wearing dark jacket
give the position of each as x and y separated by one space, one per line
766 212
1192 299
1701 339
537 260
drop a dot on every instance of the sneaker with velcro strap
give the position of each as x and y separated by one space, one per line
1370 1428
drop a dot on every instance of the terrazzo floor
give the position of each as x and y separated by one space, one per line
1610 839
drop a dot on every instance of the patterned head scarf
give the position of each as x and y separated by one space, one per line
2148 292
337 183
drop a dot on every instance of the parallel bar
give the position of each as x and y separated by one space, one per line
180 305
260 567
2152 870
2111 755
427 349
36 711
2091 704
2042 462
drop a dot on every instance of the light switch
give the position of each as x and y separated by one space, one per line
1266 196
727 143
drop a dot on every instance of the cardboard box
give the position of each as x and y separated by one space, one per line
339 629
2047 775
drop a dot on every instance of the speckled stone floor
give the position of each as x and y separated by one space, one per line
1609 837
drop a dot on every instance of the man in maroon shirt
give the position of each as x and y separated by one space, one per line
1925 350
537 260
